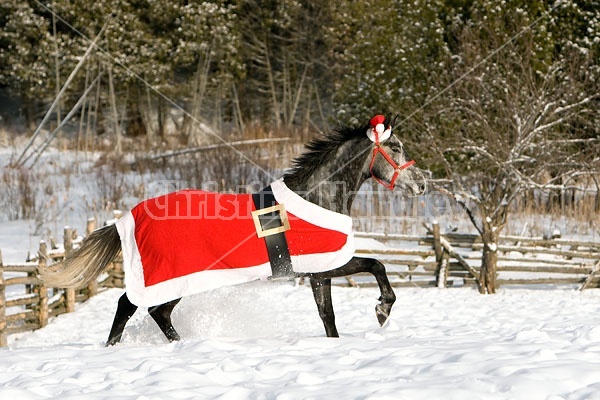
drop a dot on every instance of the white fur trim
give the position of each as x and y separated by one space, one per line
310 212
385 135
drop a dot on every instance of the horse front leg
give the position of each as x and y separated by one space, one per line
377 269
321 289
388 297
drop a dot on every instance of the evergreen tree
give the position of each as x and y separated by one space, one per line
388 55
286 54
25 63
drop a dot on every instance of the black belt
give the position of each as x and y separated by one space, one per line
270 220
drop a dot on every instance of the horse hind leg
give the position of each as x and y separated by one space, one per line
162 316
125 310
321 289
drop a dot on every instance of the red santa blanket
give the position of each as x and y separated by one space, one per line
192 241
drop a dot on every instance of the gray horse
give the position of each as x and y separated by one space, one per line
346 157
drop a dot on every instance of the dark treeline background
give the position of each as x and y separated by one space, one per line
304 64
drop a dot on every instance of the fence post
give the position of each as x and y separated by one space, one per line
69 292
93 285
115 272
41 288
590 277
90 226
444 269
3 336
437 244
442 262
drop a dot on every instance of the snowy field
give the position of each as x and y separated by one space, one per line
265 341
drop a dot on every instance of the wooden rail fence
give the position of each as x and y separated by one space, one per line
454 259
35 303
421 261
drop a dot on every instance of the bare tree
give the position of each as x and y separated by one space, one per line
521 120
287 57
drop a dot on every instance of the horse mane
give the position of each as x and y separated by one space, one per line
320 149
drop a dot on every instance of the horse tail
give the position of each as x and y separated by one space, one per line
85 263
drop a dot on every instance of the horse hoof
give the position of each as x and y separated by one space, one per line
383 312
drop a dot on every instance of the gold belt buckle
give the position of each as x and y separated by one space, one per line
272 231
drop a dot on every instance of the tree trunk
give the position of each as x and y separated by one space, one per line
161 114
115 113
489 260
487 277
136 122
57 68
3 334
272 87
195 137
597 197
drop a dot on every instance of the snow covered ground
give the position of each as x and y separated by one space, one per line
265 341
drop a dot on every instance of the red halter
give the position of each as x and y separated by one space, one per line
378 149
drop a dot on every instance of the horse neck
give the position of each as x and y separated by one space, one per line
332 184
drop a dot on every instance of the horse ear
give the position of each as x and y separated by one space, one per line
379 137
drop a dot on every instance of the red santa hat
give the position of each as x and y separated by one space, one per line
377 131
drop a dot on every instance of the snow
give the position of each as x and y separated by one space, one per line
16 239
265 340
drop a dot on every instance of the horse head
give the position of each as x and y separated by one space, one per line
390 164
